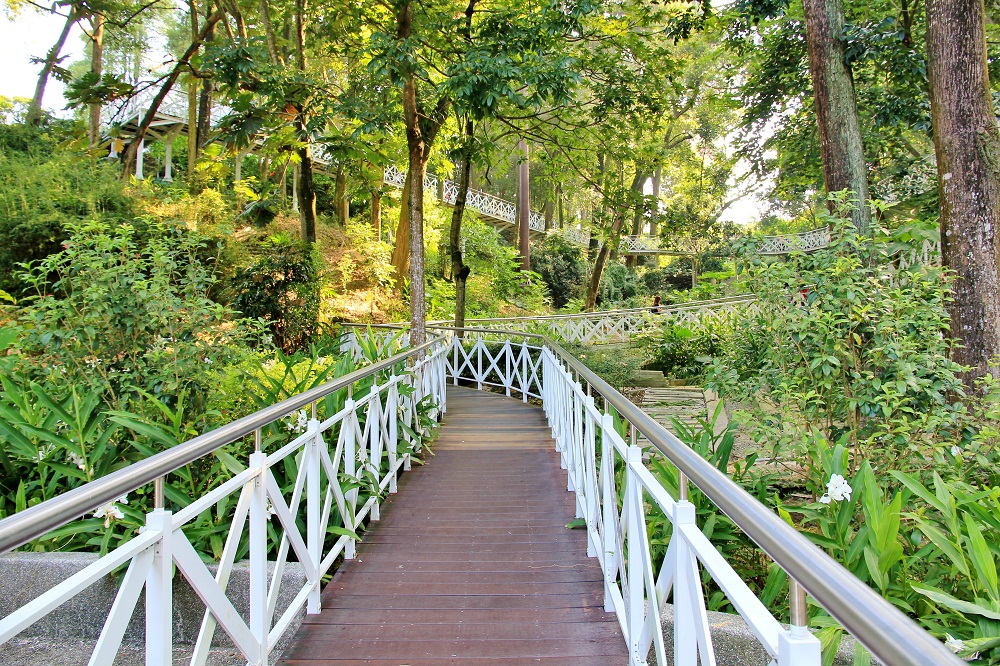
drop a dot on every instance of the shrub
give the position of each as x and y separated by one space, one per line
121 318
563 269
281 288
43 190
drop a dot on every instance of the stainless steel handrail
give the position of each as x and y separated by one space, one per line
891 636
37 521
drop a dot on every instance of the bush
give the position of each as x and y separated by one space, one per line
679 352
282 289
563 269
123 317
44 190
620 287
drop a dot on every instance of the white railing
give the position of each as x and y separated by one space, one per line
635 586
361 446
640 245
616 493
174 105
486 204
806 241
610 326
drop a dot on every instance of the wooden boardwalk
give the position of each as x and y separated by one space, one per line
472 562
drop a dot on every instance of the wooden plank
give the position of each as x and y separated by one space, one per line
472 561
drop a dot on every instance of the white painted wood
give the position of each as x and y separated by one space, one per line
159 592
131 587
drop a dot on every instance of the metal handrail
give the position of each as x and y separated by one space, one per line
37 521
888 633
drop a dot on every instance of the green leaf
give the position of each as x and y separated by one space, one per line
951 602
579 522
343 531
952 551
982 558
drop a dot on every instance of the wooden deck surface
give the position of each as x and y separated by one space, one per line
472 562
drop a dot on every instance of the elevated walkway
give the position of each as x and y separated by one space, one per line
471 561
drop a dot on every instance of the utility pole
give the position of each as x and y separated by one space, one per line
524 209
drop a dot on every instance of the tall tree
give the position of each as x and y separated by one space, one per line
844 166
967 145
52 58
306 191
96 67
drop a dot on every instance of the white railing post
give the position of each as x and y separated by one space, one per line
609 502
686 588
798 647
392 405
313 509
258 554
591 485
635 603
347 431
507 378
525 383
374 442
159 592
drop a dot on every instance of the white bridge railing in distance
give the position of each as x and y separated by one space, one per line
484 203
361 446
611 326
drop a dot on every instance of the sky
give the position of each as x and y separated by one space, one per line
32 33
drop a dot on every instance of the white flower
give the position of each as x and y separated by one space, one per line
321 360
954 644
208 360
956 451
110 511
77 460
300 424
837 490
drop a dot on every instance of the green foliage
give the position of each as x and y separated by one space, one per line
679 352
43 190
617 366
121 317
563 269
847 343
281 288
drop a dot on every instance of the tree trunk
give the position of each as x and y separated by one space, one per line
205 101
657 180
96 67
272 40
306 192
458 268
376 207
967 146
606 248
524 209
34 115
415 146
559 199
401 250
341 204
844 166
128 159
192 128
192 119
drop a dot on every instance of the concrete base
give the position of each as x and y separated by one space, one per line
32 651
736 645
66 635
